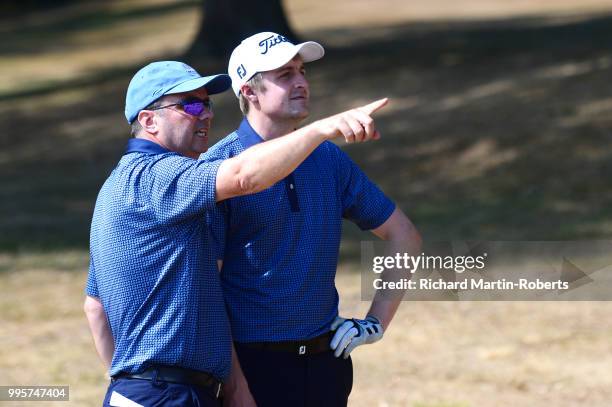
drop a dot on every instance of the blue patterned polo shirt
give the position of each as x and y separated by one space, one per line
282 243
153 265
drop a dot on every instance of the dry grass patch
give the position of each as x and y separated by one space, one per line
435 354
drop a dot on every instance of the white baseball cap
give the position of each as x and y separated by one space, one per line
267 51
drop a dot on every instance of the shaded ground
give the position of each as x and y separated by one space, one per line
499 129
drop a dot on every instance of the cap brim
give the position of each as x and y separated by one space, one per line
310 51
213 84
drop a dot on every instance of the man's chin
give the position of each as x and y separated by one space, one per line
300 114
201 149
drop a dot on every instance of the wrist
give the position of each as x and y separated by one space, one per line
318 131
233 384
373 319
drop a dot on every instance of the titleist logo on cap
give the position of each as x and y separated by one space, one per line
271 41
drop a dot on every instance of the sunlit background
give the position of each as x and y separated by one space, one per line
499 128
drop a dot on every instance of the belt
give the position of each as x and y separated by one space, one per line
172 374
311 346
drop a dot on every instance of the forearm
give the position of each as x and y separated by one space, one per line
236 389
236 378
100 330
402 237
384 309
263 165
385 302
350 333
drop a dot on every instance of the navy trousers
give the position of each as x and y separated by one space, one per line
125 392
286 379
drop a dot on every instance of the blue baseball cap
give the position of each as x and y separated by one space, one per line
165 78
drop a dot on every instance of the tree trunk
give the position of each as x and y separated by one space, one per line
227 22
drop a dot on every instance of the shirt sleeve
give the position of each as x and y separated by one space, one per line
91 289
182 187
362 201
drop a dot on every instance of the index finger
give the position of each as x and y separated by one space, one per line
374 106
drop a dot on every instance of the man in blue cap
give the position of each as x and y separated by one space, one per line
154 301
282 244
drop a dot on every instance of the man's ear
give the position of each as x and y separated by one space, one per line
248 93
147 121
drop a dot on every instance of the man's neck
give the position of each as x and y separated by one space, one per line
150 137
269 129
146 136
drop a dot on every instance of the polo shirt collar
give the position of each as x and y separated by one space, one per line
139 145
247 135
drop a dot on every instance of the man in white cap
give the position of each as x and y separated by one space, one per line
281 251
154 301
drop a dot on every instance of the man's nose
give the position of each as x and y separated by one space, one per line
206 115
301 82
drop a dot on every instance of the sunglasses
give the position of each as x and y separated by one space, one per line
194 107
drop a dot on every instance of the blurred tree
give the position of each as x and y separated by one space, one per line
12 8
227 22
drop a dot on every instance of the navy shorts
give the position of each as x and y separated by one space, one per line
286 379
133 392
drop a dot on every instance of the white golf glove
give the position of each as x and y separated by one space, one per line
351 333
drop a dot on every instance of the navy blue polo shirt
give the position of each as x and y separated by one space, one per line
153 265
281 252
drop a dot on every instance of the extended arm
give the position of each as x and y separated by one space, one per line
100 330
267 163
